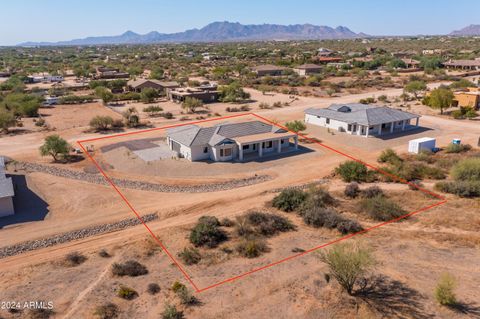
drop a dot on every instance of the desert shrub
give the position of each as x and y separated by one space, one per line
381 208
389 156
352 190
349 227
372 191
468 189
268 224
414 185
190 255
186 297
352 171
207 232
457 148
130 268
106 311
126 293
171 312
104 254
227 222
348 263
289 199
467 170
444 290
40 313
176 286
153 288
317 197
322 217
425 156
252 247
243 227
74 259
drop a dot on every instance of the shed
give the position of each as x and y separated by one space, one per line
421 144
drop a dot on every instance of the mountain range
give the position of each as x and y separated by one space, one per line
471 30
219 32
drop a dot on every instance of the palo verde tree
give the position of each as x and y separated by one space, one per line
56 147
296 126
7 120
104 94
191 104
414 87
440 98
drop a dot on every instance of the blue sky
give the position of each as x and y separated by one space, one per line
54 20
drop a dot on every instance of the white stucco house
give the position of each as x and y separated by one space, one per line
6 192
230 141
361 119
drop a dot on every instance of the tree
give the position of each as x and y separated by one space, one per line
296 126
7 120
191 104
101 123
131 117
414 87
55 146
148 95
104 94
348 263
233 93
397 64
440 98
21 104
156 73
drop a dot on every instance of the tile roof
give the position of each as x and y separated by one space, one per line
362 114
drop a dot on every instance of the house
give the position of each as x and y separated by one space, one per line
306 69
51 100
230 141
361 119
411 63
470 97
327 59
325 52
43 78
110 73
463 64
6 192
268 69
205 93
140 84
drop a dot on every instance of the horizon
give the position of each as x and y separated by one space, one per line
52 19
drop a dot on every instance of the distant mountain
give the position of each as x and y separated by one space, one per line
473 29
219 32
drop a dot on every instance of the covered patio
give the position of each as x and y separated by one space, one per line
263 144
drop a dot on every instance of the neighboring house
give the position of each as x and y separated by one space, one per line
411 63
463 64
140 84
327 59
6 192
42 78
467 98
110 73
268 69
306 69
325 52
51 100
361 119
204 93
230 141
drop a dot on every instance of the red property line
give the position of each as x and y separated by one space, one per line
185 274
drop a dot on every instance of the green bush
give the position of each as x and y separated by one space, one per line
381 208
268 224
186 298
457 148
190 255
171 312
467 189
467 170
126 293
207 232
289 199
444 291
177 286
252 247
352 171
107 311
317 197
130 268
389 156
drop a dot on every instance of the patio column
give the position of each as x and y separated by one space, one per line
279 146
260 150
379 130
368 131
403 124
296 141
392 126
416 123
240 152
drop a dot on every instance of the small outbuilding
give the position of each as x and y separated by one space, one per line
421 144
6 192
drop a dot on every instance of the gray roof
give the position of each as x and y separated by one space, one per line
362 114
6 185
192 135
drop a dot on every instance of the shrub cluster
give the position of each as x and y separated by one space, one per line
130 268
381 208
457 148
352 190
289 199
107 311
466 174
126 293
207 232
329 218
190 255
353 171
74 259
252 247
266 224
171 312
468 189
372 191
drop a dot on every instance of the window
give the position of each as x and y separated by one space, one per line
205 149
349 127
327 121
268 144
221 152
282 141
228 152
245 147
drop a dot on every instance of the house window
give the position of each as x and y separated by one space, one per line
282 141
228 152
349 127
221 152
245 147
205 149
268 144
327 121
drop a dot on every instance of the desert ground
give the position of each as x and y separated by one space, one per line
411 254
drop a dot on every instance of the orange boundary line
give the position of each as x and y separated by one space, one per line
231 279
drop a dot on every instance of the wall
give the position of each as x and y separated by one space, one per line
6 206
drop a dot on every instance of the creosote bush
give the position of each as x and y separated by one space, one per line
190 255
171 312
130 268
252 247
389 156
153 288
352 190
372 191
127 293
289 199
457 148
107 311
268 224
381 208
207 232
74 259
353 171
